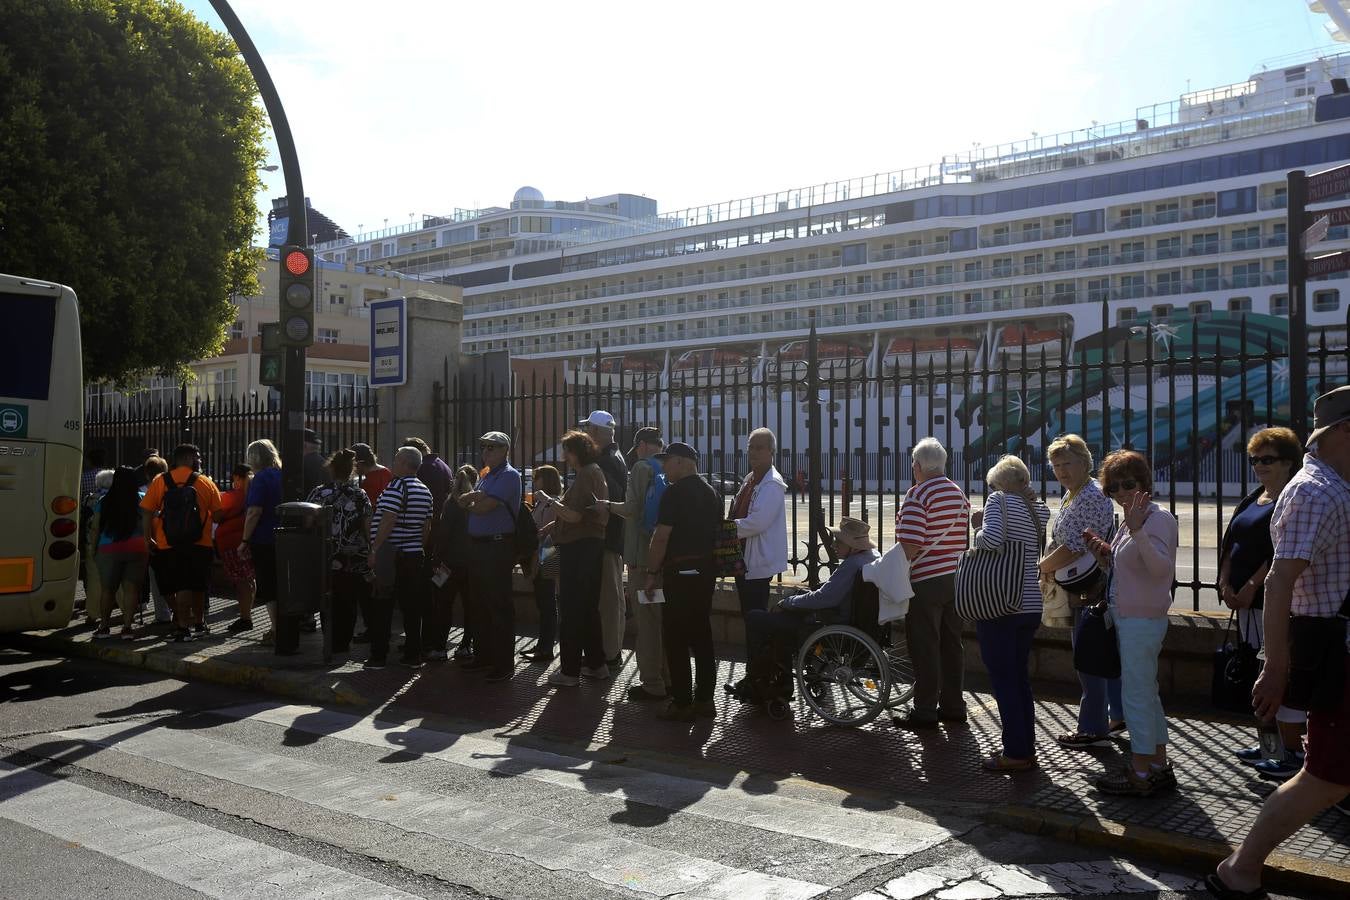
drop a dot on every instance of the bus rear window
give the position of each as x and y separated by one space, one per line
26 364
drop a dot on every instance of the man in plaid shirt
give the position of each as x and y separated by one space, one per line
1310 577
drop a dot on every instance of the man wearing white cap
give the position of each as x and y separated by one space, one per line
599 425
1308 588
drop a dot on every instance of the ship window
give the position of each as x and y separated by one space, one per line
1279 304
1090 221
855 254
1239 304
1326 301
1235 202
1128 314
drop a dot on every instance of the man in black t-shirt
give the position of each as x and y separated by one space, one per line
680 560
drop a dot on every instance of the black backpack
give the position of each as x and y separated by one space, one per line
179 515
527 536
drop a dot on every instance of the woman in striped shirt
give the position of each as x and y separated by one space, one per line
1012 513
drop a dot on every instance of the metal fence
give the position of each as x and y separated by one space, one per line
125 430
1187 393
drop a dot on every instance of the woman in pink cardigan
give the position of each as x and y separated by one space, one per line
1142 559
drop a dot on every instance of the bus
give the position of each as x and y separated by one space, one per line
41 438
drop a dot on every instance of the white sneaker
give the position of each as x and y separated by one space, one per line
558 679
599 673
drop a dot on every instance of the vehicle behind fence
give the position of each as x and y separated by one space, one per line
1186 393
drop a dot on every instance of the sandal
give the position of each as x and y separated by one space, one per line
1214 884
1000 763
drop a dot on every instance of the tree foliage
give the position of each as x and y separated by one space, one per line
129 144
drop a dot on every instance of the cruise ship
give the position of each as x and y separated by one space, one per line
1070 248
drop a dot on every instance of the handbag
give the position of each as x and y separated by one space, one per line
1235 671
550 561
1095 650
728 556
1317 661
1083 580
989 582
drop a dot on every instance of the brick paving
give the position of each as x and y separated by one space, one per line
1217 801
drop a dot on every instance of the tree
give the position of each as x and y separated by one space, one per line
129 146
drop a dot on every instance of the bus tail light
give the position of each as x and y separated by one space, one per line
63 527
61 550
64 506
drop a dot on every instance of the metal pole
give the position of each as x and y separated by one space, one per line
814 512
293 391
1298 307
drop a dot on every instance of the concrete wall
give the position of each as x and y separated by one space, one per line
435 325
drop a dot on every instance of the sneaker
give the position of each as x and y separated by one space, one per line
435 656
374 664
1127 783
1165 778
201 629
599 673
559 679
239 625
538 659
1251 755
914 720
1280 769
642 695
501 676
705 709
677 712
1080 741
182 636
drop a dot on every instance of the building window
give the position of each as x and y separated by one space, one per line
327 336
237 331
1239 304
1326 301
336 300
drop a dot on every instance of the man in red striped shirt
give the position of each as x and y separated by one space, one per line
932 526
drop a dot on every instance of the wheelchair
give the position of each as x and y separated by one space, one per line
849 672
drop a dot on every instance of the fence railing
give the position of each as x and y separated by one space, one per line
1188 396
125 431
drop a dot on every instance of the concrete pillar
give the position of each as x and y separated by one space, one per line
435 328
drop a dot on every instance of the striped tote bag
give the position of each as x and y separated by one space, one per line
989 582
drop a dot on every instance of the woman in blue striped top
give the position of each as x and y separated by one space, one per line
1012 513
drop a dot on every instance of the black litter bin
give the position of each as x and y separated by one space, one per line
302 568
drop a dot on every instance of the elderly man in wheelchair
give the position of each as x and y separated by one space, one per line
840 664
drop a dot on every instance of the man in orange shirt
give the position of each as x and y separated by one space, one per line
176 513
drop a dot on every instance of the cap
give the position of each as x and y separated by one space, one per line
853 533
647 435
363 453
495 437
1332 408
599 418
678 449
312 437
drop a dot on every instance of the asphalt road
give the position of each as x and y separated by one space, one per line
115 782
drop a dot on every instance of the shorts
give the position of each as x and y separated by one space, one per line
265 568
182 569
237 569
117 569
1327 744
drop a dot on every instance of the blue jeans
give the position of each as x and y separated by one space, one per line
1140 643
1005 647
1100 704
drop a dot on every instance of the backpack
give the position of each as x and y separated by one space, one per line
179 514
651 504
526 541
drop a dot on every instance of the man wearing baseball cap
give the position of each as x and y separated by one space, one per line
680 561
599 425
1310 581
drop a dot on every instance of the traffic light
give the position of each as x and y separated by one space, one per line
272 359
296 293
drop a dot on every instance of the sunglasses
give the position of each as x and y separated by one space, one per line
1128 484
488 446
1264 460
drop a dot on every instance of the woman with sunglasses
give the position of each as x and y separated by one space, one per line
1244 559
1141 558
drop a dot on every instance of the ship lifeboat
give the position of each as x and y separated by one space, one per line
1012 338
905 352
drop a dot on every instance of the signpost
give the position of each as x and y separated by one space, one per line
389 343
1330 183
1326 265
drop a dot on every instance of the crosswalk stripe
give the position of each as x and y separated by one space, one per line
1061 879
582 850
853 828
207 860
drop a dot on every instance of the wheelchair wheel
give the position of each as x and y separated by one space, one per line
778 709
843 675
901 669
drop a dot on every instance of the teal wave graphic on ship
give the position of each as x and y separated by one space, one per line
1219 365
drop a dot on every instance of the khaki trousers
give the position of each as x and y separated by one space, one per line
613 616
651 654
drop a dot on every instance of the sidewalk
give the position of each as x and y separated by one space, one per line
939 770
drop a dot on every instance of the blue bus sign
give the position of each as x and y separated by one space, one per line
388 343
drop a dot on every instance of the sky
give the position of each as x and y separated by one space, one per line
413 107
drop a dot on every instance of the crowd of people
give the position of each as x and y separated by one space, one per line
430 539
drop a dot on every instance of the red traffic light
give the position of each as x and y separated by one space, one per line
297 262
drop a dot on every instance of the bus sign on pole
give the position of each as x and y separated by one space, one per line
388 343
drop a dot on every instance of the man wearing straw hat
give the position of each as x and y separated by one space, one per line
791 619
